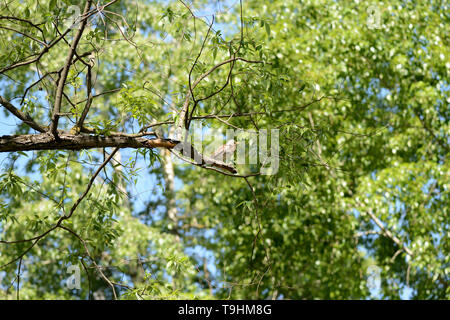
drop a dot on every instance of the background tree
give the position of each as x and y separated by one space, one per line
94 110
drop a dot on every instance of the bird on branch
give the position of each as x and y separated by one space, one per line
225 151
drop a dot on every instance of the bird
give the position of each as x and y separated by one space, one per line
225 151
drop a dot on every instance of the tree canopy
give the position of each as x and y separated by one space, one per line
100 100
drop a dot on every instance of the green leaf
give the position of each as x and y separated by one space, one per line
52 5
267 25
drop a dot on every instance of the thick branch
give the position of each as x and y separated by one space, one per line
67 141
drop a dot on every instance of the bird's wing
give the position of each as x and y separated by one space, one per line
218 153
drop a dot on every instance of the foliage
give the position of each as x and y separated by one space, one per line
364 137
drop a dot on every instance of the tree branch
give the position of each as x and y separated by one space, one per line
65 72
185 152
388 233
68 141
183 113
22 116
89 98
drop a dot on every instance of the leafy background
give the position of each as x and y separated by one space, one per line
375 145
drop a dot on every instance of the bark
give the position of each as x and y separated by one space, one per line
67 141
70 141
